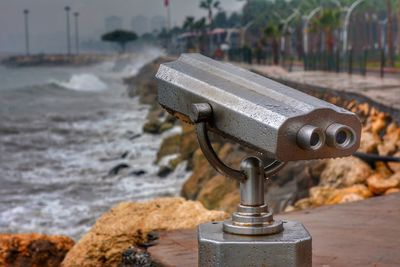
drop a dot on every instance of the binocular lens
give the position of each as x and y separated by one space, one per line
340 136
310 137
337 135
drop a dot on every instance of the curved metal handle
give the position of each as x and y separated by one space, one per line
201 115
212 157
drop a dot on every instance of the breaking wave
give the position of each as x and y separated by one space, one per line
83 82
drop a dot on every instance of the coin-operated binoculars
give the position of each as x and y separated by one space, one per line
281 124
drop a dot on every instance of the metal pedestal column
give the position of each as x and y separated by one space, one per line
252 237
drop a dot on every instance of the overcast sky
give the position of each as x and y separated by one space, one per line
47 18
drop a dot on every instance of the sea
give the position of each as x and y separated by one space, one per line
62 130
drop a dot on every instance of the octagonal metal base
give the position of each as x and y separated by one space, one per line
291 247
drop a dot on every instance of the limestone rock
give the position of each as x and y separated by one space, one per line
33 250
319 195
378 122
152 126
169 146
215 190
133 257
369 142
165 126
230 201
395 166
302 204
344 172
391 141
348 194
379 185
128 224
189 142
392 191
382 169
326 195
202 172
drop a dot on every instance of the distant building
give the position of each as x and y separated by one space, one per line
158 23
113 23
140 24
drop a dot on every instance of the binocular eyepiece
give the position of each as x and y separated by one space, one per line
337 136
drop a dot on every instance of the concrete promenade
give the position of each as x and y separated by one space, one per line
358 234
384 93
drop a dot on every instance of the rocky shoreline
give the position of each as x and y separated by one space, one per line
121 236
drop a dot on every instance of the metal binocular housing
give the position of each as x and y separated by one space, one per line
281 123
270 117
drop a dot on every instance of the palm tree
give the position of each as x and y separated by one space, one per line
273 32
210 5
328 21
200 29
188 24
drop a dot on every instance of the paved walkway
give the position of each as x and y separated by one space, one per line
383 92
364 233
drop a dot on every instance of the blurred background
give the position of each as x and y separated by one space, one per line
313 34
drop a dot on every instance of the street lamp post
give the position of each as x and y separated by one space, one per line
76 15
347 22
67 9
382 44
305 29
286 29
26 13
305 34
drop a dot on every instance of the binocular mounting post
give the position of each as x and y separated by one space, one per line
252 225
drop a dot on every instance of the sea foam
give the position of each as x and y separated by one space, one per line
84 82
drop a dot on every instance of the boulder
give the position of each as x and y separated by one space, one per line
326 195
202 172
382 169
230 201
392 191
345 172
189 142
378 185
116 169
165 126
215 190
378 122
302 204
319 195
135 257
391 141
33 250
395 166
152 126
348 194
169 146
369 142
129 223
